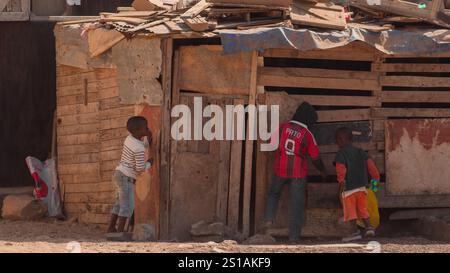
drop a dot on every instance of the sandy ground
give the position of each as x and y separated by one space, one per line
57 236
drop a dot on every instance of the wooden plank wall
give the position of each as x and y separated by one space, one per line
409 82
90 135
344 89
398 86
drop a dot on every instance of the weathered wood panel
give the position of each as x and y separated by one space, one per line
14 10
205 69
199 180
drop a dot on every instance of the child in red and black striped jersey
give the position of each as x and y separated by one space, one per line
296 144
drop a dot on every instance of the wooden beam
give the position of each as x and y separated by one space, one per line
411 112
169 64
196 9
367 146
419 213
344 115
328 160
317 73
415 81
324 195
249 150
337 100
411 201
309 78
415 96
411 67
223 180
234 187
359 53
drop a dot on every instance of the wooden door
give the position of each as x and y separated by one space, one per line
199 177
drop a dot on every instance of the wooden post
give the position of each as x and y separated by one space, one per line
165 140
235 179
249 151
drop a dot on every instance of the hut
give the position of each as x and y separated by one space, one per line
391 87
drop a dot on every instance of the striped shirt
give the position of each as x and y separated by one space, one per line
296 142
133 161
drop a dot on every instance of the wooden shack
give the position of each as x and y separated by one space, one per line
396 105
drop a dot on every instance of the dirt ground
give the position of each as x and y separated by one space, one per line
57 236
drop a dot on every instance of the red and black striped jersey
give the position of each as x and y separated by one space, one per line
295 143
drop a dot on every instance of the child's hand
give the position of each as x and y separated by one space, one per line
150 160
149 137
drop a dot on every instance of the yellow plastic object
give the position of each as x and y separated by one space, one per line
372 208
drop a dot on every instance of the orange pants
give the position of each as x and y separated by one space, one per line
355 206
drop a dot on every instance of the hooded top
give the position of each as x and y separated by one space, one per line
306 114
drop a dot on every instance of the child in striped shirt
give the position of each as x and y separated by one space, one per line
131 164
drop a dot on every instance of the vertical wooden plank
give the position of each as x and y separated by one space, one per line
224 174
261 180
378 59
378 132
249 151
173 144
165 138
235 179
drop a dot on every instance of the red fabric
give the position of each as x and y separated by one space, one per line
373 170
355 206
296 141
41 189
341 171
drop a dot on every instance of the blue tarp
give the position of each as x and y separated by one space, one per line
396 41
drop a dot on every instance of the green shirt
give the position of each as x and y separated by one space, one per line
355 161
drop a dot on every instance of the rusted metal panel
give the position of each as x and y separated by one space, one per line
418 156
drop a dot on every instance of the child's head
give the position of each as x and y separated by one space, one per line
344 136
137 126
306 114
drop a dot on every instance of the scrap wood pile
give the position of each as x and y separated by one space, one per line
204 17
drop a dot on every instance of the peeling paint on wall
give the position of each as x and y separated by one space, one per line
138 64
418 156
